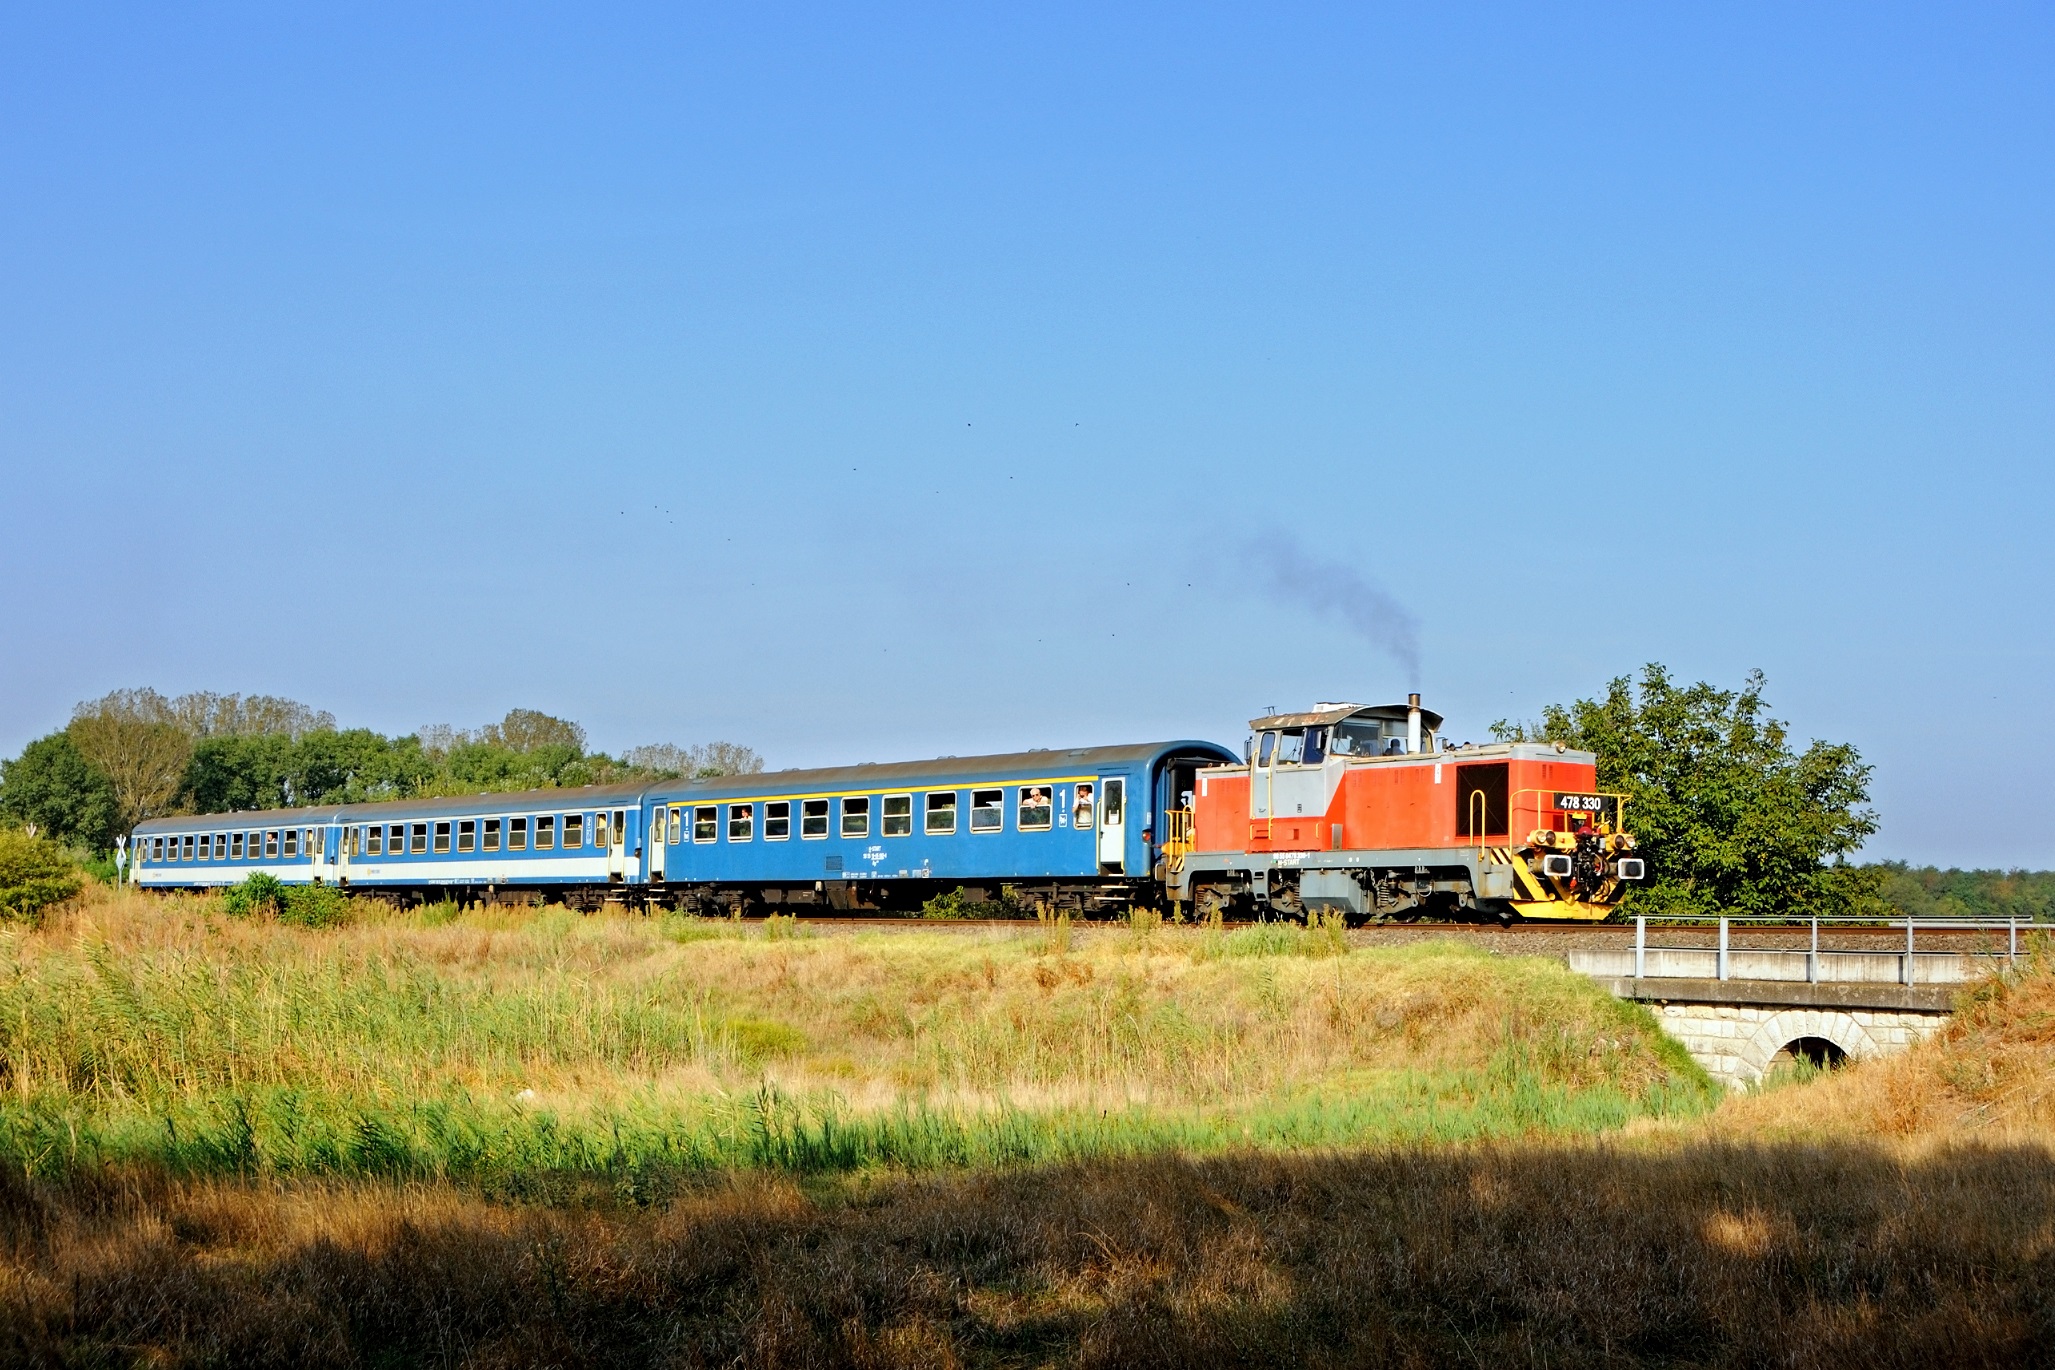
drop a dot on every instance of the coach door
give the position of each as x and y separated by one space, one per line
654 845
617 847
1112 825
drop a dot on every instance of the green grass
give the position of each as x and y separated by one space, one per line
501 1047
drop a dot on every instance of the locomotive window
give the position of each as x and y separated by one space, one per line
517 834
898 815
942 813
706 823
467 834
1267 749
1365 737
677 823
777 821
1481 795
489 839
442 839
813 818
545 831
235 847
574 830
741 818
856 816
1316 746
987 810
1036 811
1291 746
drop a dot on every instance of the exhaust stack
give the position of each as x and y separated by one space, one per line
1413 723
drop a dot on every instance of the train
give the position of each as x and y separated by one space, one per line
1347 810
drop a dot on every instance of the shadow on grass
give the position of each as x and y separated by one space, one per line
1699 1255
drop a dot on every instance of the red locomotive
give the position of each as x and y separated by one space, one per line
1362 811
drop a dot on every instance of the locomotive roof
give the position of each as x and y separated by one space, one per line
1038 763
1335 713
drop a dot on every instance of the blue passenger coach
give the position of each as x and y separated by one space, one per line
1080 827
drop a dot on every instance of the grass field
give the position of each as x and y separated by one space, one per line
533 1138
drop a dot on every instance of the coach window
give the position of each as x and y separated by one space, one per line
741 818
942 814
292 843
545 832
489 839
442 839
467 835
156 849
235 846
677 824
517 834
813 818
1081 811
706 823
271 844
987 810
898 815
396 839
856 816
777 821
185 848
375 836
574 830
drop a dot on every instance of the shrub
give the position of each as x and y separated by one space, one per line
314 906
34 874
957 904
258 892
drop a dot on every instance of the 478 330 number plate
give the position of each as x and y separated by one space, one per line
1580 803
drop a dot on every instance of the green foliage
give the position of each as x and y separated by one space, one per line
956 904
259 893
1925 892
34 874
1730 818
314 906
51 786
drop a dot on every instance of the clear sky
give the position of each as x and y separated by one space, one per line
864 382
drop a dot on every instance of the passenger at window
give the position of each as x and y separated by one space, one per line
1081 812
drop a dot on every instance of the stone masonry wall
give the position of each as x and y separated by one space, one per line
1736 1042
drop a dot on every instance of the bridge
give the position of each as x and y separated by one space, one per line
1782 996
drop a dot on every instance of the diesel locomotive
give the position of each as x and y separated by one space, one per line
1344 809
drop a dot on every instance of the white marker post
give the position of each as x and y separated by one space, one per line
120 857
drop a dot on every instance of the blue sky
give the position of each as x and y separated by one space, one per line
868 382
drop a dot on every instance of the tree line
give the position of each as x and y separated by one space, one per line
136 754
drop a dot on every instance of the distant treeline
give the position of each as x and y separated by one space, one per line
135 754
1926 892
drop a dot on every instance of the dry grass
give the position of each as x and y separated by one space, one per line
1699 1255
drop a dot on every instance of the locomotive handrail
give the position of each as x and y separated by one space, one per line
1177 838
1619 804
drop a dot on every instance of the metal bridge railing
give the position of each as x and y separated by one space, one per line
1723 951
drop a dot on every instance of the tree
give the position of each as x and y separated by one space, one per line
725 758
54 790
529 730
1730 818
132 738
34 874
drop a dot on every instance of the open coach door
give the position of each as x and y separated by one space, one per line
1112 825
617 846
